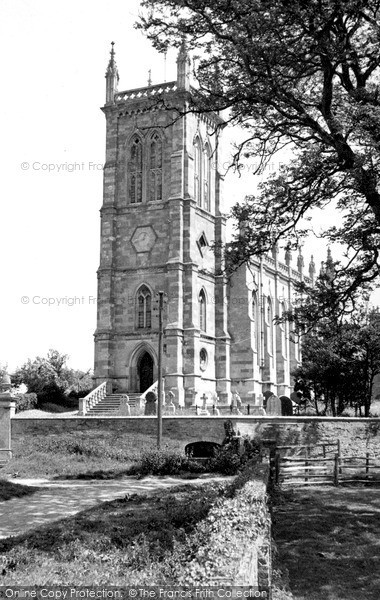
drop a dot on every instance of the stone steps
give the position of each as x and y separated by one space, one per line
111 404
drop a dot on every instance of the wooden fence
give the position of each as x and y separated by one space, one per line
307 468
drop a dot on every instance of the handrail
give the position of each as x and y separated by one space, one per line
95 396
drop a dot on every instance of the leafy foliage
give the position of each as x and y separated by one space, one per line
340 362
51 379
26 402
302 78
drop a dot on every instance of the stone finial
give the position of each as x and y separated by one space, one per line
288 257
329 263
322 270
300 260
274 251
112 77
149 77
312 268
183 66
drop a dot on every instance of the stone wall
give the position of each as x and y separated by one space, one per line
360 434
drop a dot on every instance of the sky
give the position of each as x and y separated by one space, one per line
54 57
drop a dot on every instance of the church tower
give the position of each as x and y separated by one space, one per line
161 213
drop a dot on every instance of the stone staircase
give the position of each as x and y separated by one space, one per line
110 405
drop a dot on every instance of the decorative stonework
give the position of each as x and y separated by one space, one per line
143 239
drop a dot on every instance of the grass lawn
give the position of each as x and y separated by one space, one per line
96 454
329 541
138 540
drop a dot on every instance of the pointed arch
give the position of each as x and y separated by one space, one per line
198 170
135 167
155 167
202 303
143 307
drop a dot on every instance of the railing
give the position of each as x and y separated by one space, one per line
86 403
336 469
146 92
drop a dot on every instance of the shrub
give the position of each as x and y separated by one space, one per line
26 402
167 462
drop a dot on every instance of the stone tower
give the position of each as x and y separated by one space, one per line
161 212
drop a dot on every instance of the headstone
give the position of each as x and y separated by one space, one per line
124 408
169 408
286 406
150 404
273 406
267 394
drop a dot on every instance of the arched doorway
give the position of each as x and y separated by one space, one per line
145 371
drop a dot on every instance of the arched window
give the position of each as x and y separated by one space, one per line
269 326
155 168
197 171
202 310
282 325
206 177
135 171
254 320
144 308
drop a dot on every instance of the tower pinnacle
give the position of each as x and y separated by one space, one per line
183 66
112 77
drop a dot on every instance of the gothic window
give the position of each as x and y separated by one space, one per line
206 177
282 329
269 326
135 171
144 308
197 171
202 310
155 168
254 320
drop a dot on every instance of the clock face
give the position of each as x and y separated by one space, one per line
144 238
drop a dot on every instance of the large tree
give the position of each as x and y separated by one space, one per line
302 75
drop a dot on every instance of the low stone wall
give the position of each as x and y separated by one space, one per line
353 433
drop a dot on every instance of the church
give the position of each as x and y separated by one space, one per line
162 211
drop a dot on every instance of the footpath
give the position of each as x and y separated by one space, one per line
54 500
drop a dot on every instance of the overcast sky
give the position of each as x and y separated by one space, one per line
54 57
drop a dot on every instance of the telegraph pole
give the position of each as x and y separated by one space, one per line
160 353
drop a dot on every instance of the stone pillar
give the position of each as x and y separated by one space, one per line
7 411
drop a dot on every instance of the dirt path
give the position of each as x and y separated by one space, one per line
54 500
329 541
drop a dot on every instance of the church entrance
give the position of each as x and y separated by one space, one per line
145 371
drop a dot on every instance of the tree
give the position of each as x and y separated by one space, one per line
51 379
340 362
303 76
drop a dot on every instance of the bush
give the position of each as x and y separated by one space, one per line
167 462
26 402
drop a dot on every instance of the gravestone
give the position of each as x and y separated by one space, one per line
286 406
169 407
274 406
267 395
203 412
150 404
7 411
124 408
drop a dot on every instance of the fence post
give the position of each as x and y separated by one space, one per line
277 468
336 469
367 465
248 409
339 454
306 463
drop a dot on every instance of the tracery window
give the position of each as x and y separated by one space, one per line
135 171
155 168
144 308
